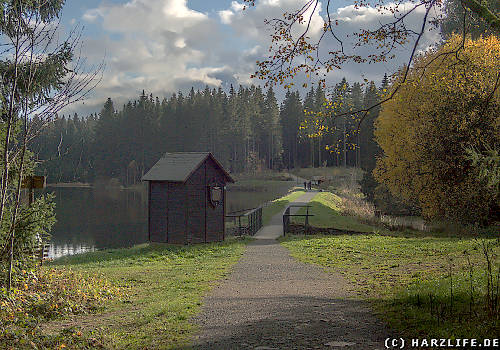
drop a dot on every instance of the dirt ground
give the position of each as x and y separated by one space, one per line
272 301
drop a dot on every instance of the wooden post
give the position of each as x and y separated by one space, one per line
307 219
224 213
32 182
31 198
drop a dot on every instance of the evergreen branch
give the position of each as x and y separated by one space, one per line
484 12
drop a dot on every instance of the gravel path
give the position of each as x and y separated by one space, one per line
272 301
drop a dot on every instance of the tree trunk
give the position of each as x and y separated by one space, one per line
319 151
311 146
272 151
295 153
358 152
10 116
344 146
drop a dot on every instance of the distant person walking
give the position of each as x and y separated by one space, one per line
309 185
305 185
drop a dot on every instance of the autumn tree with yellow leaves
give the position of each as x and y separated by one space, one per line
448 105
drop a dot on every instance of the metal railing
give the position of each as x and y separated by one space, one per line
287 215
247 223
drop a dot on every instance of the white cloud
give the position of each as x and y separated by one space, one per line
146 16
163 46
91 15
226 16
236 6
250 22
351 19
179 9
180 43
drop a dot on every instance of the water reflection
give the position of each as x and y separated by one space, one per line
104 217
95 218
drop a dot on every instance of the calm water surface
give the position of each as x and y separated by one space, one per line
95 218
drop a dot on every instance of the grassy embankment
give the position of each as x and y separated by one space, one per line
159 288
419 282
280 204
272 208
259 184
326 208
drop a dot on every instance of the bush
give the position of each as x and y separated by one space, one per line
46 295
381 197
33 225
447 105
53 293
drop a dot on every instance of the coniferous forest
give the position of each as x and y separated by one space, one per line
247 129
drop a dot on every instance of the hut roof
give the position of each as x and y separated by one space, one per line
179 166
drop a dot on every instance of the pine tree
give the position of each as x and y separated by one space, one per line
370 149
356 100
385 83
105 140
368 144
343 105
320 112
309 107
271 115
291 114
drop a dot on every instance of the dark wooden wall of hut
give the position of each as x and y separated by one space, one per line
158 204
176 213
167 213
182 213
196 206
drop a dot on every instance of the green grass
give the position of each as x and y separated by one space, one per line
419 282
326 208
407 279
328 213
279 204
164 286
377 264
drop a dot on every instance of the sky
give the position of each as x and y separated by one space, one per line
166 46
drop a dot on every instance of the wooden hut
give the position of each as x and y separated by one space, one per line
187 198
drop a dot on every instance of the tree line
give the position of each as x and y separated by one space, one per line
246 129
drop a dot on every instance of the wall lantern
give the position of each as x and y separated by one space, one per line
215 195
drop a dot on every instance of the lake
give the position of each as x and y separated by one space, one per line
96 218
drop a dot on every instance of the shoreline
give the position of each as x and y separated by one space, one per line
71 184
